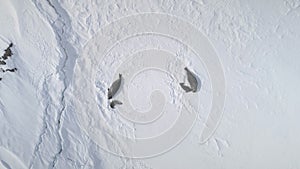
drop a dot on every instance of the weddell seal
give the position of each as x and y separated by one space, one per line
192 81
114 87
114 103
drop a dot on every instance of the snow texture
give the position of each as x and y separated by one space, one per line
54 109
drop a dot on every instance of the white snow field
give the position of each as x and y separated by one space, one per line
54 110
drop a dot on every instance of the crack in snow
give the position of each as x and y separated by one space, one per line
61 70
59 117
40 140
45 126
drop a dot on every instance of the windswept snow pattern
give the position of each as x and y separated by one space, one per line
54 108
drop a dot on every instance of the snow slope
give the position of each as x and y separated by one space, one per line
54 111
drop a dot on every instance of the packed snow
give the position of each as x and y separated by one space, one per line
58 59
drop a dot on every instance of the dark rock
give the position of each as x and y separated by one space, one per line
11 70
8 52
2 62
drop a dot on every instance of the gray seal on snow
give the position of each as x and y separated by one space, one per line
193 83
114 87
192 80
114 103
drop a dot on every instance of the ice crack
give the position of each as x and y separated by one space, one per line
64 69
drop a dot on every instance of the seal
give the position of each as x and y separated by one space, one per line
192 80
114 103
114 87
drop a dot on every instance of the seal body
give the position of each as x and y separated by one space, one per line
192 80
114 87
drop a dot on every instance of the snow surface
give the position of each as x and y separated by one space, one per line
54 110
